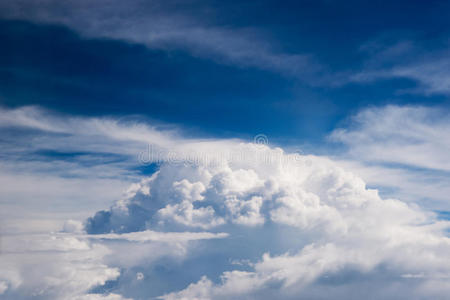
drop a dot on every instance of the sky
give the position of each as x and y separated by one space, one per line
224 149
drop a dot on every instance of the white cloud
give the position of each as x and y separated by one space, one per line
73 226
44 266
402 148
111 296
36 201
412 135
148 235
39 192
161 25
405 59
432 76
68 265
298 228
342 224
428 188
3 287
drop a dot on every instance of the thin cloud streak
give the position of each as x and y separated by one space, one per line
158 27
406 59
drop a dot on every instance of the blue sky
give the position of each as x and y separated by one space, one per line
302 67
358 92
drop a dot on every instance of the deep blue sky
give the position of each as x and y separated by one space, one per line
47 63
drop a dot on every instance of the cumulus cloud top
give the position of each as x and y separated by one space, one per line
320 219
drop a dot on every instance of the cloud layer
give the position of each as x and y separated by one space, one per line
224 219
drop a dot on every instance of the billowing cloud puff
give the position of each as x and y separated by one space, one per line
294 224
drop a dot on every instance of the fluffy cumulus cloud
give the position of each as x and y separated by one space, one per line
292 225
230 220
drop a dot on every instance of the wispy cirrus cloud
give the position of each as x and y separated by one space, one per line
171 26
166 25
401 148
407 59
415 136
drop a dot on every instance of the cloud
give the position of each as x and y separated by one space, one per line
166 25
37 201
432 75
341 226
148 235
415 136
428 188
71 265
42 266
400 149
405 59
101 297
72 164
224 219
108 136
